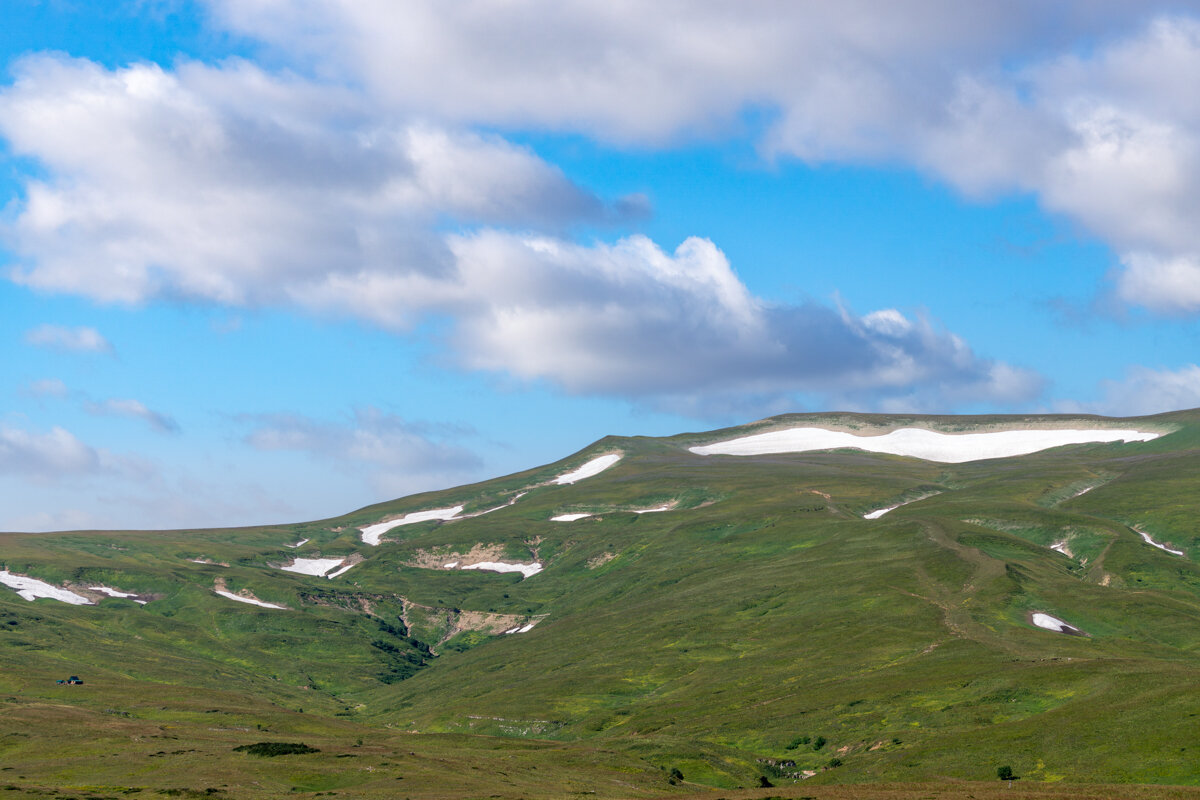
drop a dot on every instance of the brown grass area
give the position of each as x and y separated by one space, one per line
438 557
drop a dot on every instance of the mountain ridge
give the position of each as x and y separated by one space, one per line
708 614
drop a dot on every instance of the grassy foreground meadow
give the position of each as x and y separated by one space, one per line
713 623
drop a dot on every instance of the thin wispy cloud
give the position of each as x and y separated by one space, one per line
67 339
398 455
132 409
47 387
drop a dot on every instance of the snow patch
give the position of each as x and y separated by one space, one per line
1061 547
920 443
569 517
299 543
313 566
349 566
451 565
111 592
372 533
1150 541
655 510
515 498
31 589
880 512
528 570
523 628
254 601
593 467
1052 623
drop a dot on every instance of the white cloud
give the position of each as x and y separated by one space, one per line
47 387
1089 106
231 185
46 456
77 340
642 72
631 320
1150 391
133 409
1168 285
400 457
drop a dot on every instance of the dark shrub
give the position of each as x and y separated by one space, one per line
269 749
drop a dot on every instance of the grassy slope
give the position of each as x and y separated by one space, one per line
762 611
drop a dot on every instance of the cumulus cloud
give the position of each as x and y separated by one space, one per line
214 183
1088 106
181 184
46 456
639 72
632 320
133 409
75 340
400 456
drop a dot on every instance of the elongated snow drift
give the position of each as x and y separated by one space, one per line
593 467
947 448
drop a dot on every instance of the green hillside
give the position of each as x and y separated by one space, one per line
750 624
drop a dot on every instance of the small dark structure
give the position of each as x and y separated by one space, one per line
74 680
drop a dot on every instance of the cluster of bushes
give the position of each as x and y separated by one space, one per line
816 743
269 749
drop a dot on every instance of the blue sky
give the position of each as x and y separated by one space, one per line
265 260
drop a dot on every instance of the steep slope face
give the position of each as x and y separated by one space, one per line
726 615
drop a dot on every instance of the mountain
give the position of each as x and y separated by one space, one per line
649 616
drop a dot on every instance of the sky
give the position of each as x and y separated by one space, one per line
273 260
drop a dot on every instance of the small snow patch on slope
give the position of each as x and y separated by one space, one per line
254 601
31 589
372 533
569 517
1061 547
313 566
591 468
656 509
527 570
514 499
1153 543
111 592
1053 624
920 443
881 511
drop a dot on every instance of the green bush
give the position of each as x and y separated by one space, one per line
1005 773
818 743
